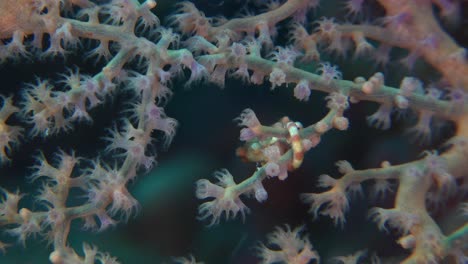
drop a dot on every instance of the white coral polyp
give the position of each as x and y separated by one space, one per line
226 199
